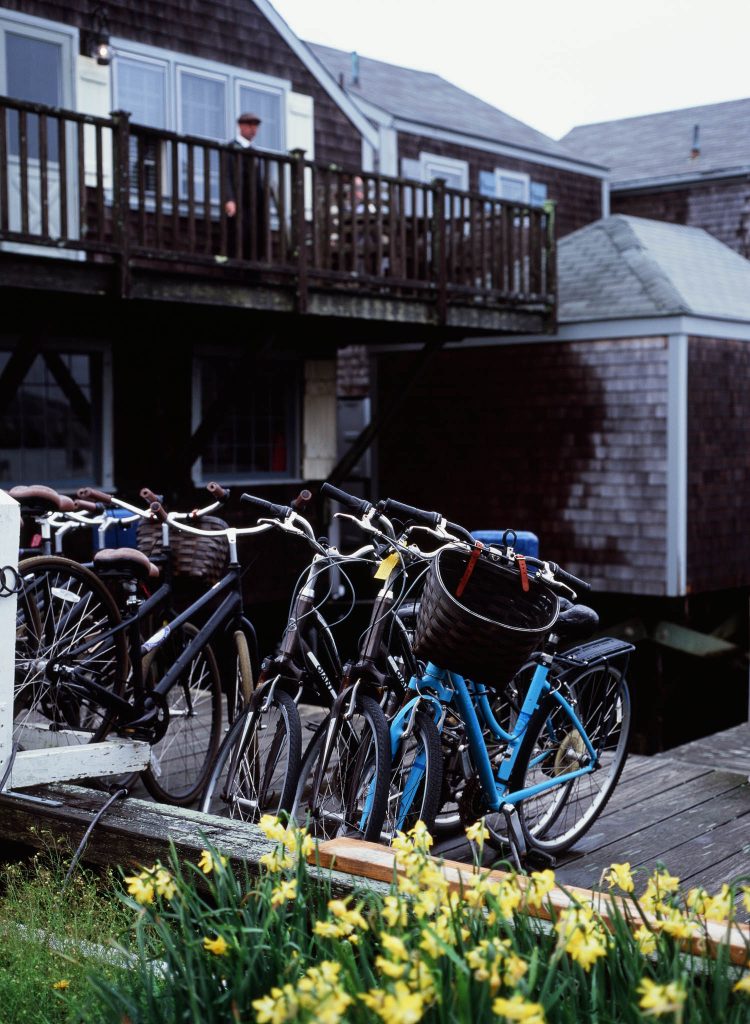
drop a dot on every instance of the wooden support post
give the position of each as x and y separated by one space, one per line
10 528
298 226
57 755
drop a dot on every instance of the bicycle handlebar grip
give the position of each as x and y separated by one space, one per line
460 531
359 505
86 506
91 494
419 515
217 491
149 496
277 511
568 579
157 510
302 500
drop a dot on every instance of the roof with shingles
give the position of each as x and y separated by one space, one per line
621 267
659 146
427 99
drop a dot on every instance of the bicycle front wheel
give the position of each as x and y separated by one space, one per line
416 779
343 782
64 617
182 758
257 765
554 747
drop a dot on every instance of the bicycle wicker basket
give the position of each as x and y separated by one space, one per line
493 627
200 557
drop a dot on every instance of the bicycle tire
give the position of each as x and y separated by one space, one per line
553 820
181 760
61 606
416 780
252 776
242 685
342 789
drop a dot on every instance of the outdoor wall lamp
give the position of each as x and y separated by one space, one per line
98 36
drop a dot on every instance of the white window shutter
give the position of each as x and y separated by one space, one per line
94 97
300 123
319 419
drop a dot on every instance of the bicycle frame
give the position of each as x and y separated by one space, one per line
129 712
446 688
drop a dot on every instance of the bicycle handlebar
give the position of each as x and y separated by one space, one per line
87 506
302 500
92 494
568 578
157 510
358 505
219 493
149 496
269 507
389 506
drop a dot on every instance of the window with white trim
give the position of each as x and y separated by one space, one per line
194 96
514 186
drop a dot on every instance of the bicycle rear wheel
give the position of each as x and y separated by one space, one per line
553 746
257 765
343 781
62 608
182 758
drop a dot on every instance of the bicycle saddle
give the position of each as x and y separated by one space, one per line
126 562
38 499
575 621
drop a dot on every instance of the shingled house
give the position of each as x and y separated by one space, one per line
430 128
688 166
144 338
621 440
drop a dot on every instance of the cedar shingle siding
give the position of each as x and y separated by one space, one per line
718 456
578 197
232 32
719 207
567 440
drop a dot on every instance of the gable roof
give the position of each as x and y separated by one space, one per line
658 146
621 267
427 100
316 69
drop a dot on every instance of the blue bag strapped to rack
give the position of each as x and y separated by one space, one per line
116 535
526 542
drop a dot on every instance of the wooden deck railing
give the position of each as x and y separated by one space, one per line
106 188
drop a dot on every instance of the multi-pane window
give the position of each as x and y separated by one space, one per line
203 98
33 72
267 105
51 423
142 91
258 433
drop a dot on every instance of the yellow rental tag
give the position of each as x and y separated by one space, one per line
387 566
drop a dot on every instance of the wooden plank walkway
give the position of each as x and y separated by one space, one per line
688 809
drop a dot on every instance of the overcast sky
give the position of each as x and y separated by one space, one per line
551 63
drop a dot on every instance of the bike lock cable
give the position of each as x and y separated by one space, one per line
118 795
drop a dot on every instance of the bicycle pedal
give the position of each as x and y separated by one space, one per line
539 860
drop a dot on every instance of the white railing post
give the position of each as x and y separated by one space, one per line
10 526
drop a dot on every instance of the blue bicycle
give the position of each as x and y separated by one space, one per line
539 768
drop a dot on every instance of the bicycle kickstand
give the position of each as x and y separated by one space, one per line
516 837
522 855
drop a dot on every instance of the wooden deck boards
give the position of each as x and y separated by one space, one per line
688 809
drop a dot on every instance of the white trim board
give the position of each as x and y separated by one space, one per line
593 330
488 146
677 466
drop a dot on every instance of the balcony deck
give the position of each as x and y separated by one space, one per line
104 207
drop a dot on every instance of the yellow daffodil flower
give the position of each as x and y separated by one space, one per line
217 946
517 1008
620 875
658 1000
